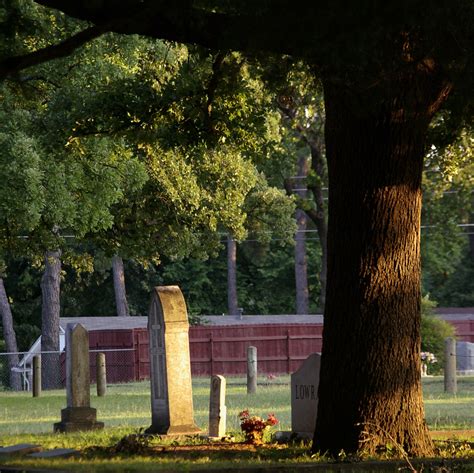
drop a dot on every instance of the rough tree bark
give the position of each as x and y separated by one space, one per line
121 303
9 337
232 298
370 388
301 259
50 290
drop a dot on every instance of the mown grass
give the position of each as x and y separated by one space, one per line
128 405
447 411
126 408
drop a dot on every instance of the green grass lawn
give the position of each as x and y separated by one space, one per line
126 408
128 405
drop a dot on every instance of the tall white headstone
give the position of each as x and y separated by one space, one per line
170 365
217 407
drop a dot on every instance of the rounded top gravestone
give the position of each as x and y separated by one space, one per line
170 365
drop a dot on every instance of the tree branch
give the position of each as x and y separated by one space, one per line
211 89
14 64
276 27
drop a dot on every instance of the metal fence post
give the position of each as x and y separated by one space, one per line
37 376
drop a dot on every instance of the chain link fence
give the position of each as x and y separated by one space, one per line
122 365
16 369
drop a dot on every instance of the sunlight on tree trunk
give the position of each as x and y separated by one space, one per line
9 337
370 387
121 303
232 298
50 289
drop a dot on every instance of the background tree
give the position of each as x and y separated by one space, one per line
386 73
10 338
446 219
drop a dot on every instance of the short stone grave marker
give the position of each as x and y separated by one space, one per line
78 415
217 407
170 364
304 397
56 453
20 449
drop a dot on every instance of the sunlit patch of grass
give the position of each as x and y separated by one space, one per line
128 405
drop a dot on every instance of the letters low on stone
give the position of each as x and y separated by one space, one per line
170 364
304 396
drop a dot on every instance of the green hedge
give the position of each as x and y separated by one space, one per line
433 333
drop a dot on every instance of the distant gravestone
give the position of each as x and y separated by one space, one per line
465 358
304 396
217 407
78 415
170 364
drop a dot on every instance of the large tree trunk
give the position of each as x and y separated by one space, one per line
232 297
50 289
121 303
370 387
9 337
301 259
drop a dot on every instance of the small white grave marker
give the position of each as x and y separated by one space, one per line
217 407
304 397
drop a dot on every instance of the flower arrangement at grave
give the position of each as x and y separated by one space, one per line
253 427
427 358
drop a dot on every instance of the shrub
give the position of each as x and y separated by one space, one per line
433 333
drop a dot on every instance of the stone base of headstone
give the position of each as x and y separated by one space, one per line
287 436
224 439
283 436
74 419
174 431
